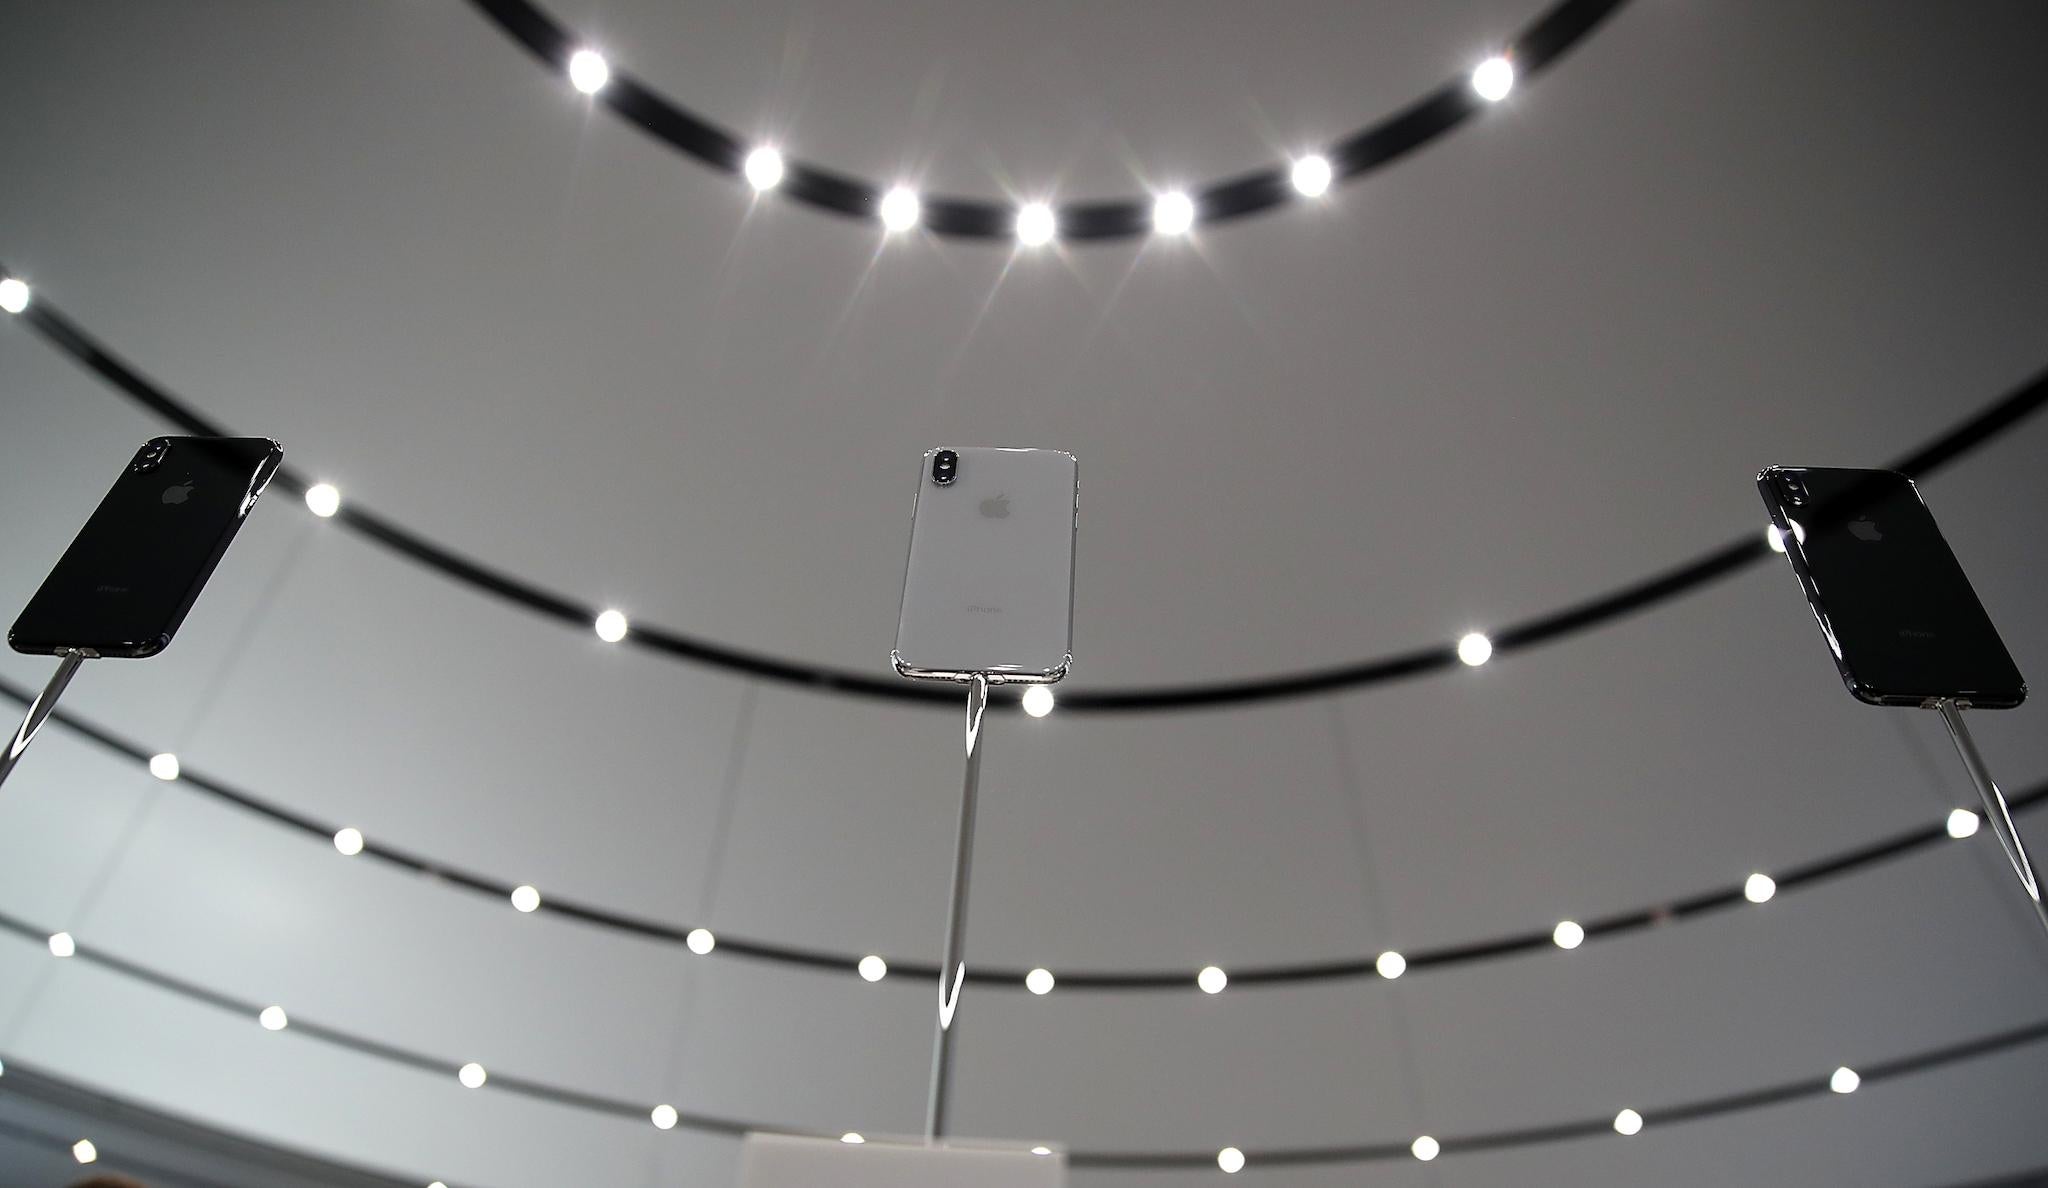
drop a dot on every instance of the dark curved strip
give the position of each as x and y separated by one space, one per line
598 1103
1999 417
1554 33
921 972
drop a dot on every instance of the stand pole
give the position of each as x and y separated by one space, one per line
1994 803
952 966
39 711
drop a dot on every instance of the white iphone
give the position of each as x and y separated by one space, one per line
990 584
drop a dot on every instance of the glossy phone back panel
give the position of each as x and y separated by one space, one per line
137 566
989 587
1892 601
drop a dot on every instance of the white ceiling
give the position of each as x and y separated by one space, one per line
1539 359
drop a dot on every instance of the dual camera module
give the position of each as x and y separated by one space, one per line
1794 488
945 465
151 455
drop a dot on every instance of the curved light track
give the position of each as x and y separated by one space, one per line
1370 148
920 973
1199 1161
1710 566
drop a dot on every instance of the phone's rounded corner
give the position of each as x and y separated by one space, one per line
1765 475
896 662
14 642
144 649
1863 692
1058 672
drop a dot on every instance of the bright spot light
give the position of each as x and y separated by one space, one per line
664 1117
588 71
701 941
852 1138
1628 1122
472 1075
1035 224
526 898
1494 78
349 840
1844 1080
323 499
61 944
1038 700
164 766
1212 980
1173 214
1041 1150
610 626
1759 888
1310 175
1391 965
273 1018
1475 649
84 1151
873 968
900 209
14 295
1039 981
1962 823
1231 1160
1568 935
1426 1148
1774 538
763 168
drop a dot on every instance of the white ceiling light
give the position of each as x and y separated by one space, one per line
1628 1122
852 1138
323 499
1844 1080
164 766
1475 649
1173 213
1774 538
349 840
588 71
1494 78
1310 175
1231 1160
1041 1150
1391 965
1963 823
1568 934
84 1151
1036 226
1039 981
764 168
663 1116
14 295
1759 888
1212 980
1426 1148
610 626
701 941
526 898
900 209
273 1018
61 944
1038 700
873 968
472 1075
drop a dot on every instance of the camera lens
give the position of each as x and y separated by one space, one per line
944 464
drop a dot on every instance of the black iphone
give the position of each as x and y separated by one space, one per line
139 563
1897 611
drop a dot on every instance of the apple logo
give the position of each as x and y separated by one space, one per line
1865 530
179 493
996 507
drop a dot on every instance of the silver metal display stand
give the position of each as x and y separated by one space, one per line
39 710
952 965
1994 802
